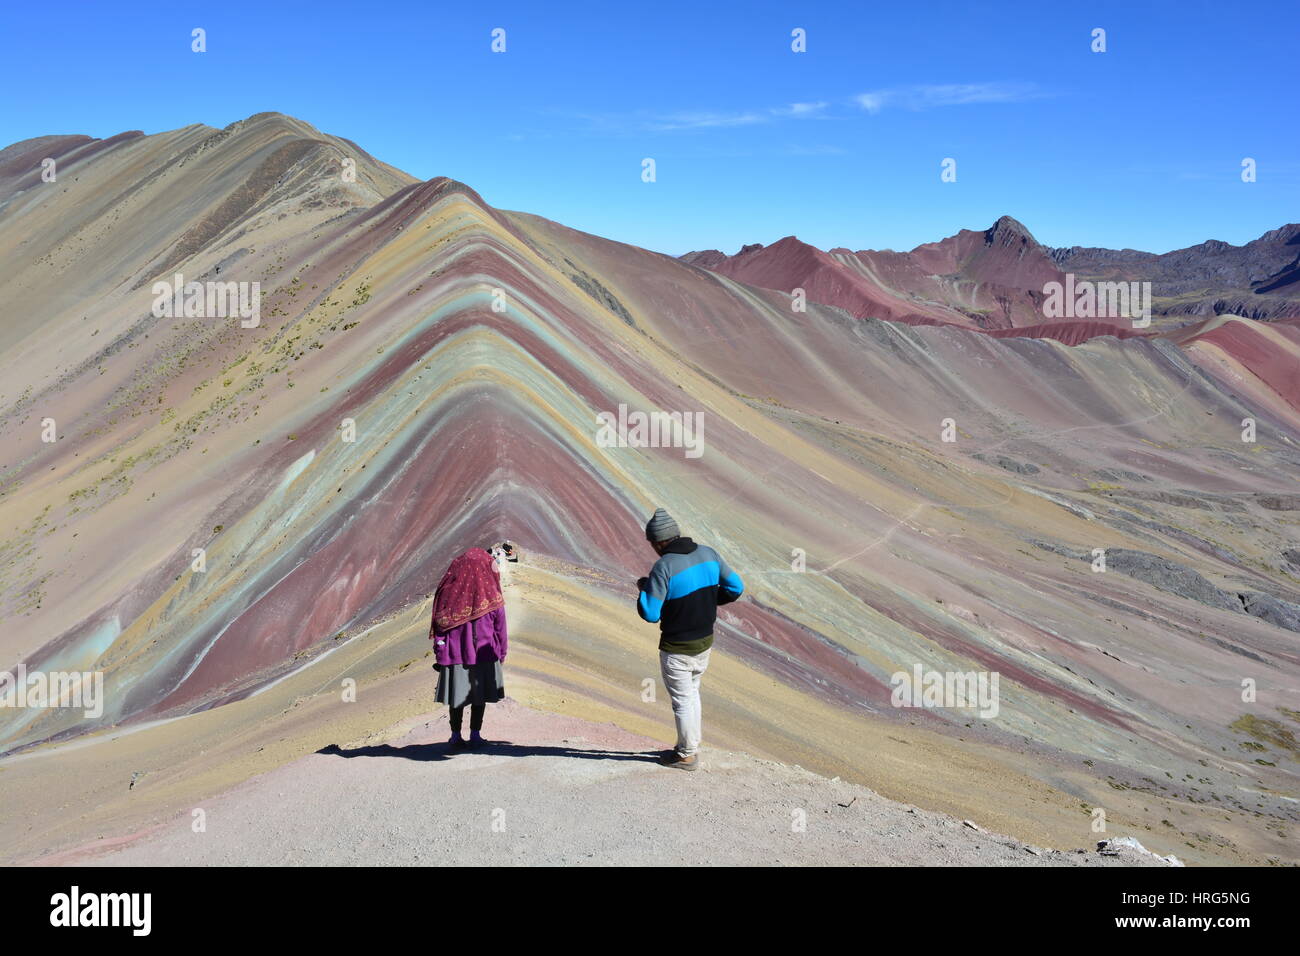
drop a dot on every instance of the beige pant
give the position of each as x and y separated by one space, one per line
682 673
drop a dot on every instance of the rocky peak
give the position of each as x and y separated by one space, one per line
1007 231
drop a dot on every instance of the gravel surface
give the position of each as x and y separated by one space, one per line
554 790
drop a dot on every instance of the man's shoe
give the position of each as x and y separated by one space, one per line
677 761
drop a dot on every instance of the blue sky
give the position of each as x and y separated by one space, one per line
1140 146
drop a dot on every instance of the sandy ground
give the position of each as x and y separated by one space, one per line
555 790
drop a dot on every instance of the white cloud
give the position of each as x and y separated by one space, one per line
872 102
704 120
918 97
800 110
950 94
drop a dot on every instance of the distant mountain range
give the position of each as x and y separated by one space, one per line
1259 280
994 280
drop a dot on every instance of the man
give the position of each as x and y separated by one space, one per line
503 555
682 593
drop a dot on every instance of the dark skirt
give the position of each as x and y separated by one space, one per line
480 683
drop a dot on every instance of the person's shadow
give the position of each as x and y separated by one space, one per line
442 750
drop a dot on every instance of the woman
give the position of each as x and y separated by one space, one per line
469 640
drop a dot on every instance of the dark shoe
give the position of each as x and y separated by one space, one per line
457 742
677 761
476 740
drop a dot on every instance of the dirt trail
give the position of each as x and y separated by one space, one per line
556 790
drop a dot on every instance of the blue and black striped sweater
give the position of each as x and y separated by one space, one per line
682 594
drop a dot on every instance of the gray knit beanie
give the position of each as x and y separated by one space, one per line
661 527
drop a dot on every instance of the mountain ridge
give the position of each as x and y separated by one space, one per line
471 349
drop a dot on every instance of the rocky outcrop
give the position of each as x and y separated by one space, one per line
1009 464
1271 609
1169 576
1278 502
1183 581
